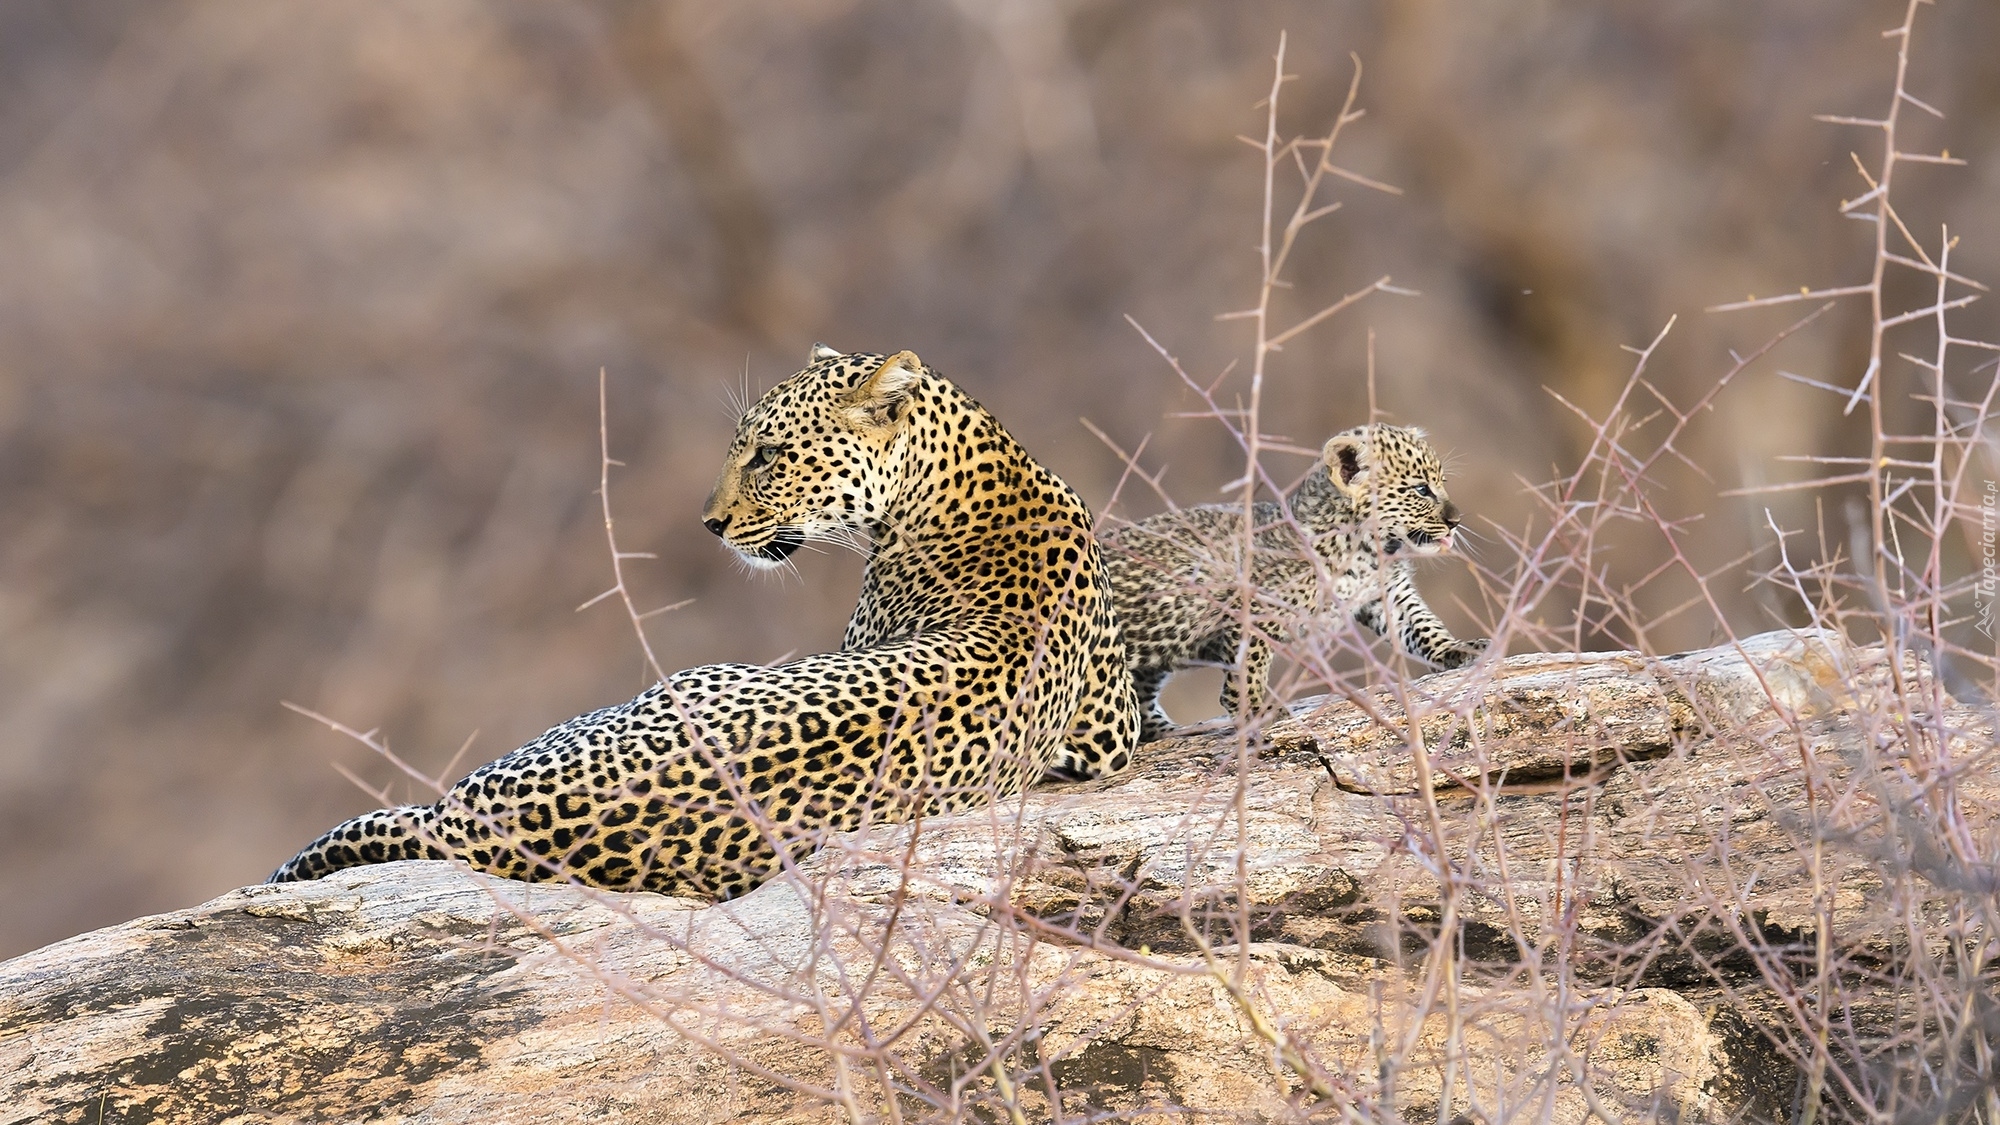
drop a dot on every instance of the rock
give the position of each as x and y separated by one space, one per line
418 992
1608 844
1559 714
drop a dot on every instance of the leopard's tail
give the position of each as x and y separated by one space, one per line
377 837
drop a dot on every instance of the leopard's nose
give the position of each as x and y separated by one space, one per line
716 526
1450 513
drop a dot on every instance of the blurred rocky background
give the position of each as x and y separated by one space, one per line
302 308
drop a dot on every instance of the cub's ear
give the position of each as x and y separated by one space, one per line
878 399
821 351
1347 461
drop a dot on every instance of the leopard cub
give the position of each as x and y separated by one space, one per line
1375 501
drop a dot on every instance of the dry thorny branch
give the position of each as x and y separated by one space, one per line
933 992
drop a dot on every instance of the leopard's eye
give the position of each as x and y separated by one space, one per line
764 455
1423 490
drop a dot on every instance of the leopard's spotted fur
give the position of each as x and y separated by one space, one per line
1375 500
982 655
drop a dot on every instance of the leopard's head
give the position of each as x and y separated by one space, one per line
1392 478
819 456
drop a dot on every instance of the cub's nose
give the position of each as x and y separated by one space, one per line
1450 514
716 526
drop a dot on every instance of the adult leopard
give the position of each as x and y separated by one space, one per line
982 655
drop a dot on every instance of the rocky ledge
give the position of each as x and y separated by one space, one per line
1591 894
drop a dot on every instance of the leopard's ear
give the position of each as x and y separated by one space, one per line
822 351
878 399
1347 460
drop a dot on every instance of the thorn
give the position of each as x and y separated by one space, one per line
599 598
666 609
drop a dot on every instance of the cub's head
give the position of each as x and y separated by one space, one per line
1391 476
819 456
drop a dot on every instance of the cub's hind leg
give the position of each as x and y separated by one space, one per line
1153 721
1246 690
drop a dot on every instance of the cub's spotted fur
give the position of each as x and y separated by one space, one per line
982 655
1375 500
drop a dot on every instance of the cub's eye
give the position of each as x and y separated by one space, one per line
1423 490
765 455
